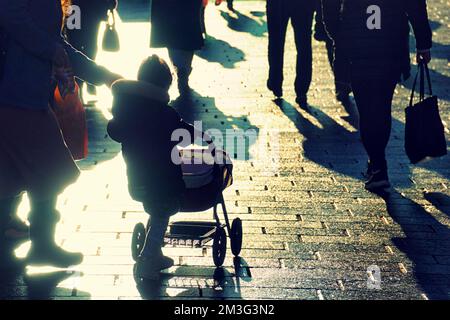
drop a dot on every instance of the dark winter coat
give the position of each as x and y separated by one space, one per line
143 123
374 52
176 24
33 30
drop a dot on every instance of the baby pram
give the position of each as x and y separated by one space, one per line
206 176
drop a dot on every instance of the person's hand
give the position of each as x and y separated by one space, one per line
60 58
423 56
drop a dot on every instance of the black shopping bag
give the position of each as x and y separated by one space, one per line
424 131
111 41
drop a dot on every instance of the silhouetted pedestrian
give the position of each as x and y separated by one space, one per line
33 155
373 37
301 14
177 26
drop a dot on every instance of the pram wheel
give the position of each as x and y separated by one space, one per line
219 246
138 240
236 237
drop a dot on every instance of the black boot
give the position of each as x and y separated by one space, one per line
44 251
11 226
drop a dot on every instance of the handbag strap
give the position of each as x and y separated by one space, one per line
427 72
422 71
113 16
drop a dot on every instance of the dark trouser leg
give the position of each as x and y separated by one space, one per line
230 5
158 223
182 61
302 18
374 100
340 69
155 235
43 219
277 21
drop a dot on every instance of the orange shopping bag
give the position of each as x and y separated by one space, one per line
72 120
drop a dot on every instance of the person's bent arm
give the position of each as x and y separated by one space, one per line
87 70
418 17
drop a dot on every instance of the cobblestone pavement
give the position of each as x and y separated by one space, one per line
311 231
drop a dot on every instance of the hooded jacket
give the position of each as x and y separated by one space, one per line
143 123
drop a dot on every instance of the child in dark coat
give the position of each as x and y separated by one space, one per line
144 123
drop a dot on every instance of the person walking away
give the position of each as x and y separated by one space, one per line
301 14
373 35
177 26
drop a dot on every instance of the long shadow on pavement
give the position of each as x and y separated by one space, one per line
219 51
440 201
15 283
225 284
199 108
256 25
431 241
329 144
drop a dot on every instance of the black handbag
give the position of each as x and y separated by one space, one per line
424 131
111 40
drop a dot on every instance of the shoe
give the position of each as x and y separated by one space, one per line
150 267
52 255
302 101
378 179
276 90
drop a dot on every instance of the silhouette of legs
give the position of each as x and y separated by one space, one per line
182 61
302 19
301 15
374 101
277 21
